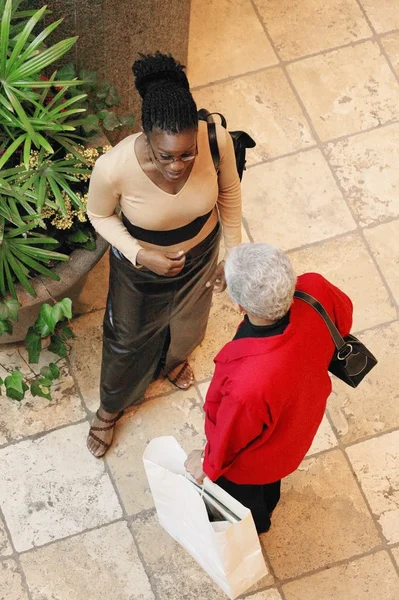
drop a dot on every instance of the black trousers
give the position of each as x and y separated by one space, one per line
260 499
152 322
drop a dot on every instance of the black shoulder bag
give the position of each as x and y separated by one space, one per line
241 141
351 360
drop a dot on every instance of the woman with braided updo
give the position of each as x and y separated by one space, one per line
164 243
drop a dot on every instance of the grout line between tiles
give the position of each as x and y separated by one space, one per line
361 332
323 149
377 37
246 229
372 436
125 517
321 144
281 62
72 535
342 446
41 434
14 555
358 229
332 565
151 578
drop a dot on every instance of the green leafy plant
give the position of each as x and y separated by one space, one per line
46 117
51 323
101 98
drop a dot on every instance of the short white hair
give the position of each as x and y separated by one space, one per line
260 278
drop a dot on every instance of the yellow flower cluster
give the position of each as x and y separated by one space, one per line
34 159
61 221
90 156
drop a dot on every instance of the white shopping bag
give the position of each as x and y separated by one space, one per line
229 552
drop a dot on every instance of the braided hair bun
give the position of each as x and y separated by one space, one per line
163 86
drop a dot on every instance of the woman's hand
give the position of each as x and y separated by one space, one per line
167 264
193 466
218 281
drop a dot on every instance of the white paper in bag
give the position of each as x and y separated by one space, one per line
229 553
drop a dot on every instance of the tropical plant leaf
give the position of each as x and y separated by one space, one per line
57 346
50 371
9 309
127 120
67 72
23 38
111 121
33 344
66 333
41 387
63 309
5 326
112 98
4 36
15 386
46 321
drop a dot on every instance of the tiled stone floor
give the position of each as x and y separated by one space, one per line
317 85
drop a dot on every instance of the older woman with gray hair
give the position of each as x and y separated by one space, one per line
269 391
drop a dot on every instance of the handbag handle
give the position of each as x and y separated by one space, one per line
335 334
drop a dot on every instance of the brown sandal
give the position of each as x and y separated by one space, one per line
110 425
180 374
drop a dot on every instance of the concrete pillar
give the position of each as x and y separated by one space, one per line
112 32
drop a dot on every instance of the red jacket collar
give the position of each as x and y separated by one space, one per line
243 347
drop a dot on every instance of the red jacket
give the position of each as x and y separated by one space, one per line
268 395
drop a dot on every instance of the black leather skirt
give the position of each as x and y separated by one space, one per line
152 322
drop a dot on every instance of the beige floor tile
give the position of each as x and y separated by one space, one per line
348 90
85 356
260 98
225 39
52 487
35 415
366 166
175 573
179 414
384 16
222 325
376 464
94 294
294 201
321 518
372 407
5 546
99 564
391 45
203 388
325 438
395 552
11 587
368 578
270 594
347 264
303 27
384 242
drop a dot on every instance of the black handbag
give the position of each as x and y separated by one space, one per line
351 360
241 141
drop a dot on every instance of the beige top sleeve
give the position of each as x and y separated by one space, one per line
101 206
229 198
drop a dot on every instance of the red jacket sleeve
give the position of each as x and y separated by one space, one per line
236 426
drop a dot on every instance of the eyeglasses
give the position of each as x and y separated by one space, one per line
165 159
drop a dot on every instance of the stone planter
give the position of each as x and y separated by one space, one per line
73 275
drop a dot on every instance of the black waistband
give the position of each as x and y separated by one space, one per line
169 237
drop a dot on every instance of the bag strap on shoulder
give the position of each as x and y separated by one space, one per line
213 144
205 115
335 334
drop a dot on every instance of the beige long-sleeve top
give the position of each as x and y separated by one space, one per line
118 179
